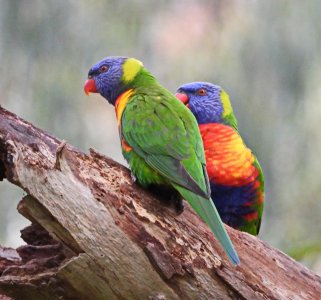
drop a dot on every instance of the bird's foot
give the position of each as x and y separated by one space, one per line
178 205
134 179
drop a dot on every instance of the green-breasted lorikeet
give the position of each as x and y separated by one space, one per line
159 136
235 175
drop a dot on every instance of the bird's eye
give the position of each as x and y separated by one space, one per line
201 92
103 69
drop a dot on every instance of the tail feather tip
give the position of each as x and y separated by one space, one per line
234 259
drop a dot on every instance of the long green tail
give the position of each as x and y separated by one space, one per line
208 212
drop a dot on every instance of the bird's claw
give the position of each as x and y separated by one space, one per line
179 205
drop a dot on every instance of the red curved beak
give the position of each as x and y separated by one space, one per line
90 86
183 97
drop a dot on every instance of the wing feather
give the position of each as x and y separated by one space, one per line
164 132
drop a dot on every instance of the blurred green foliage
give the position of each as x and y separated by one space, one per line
266 54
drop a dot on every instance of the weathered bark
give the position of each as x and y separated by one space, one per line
96 235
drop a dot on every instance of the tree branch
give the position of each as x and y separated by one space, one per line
96 235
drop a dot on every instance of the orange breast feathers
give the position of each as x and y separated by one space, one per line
228 160
120 104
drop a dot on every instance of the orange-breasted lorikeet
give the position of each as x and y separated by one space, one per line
159 136
236 178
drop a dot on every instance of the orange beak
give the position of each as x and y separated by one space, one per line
90 86
183 98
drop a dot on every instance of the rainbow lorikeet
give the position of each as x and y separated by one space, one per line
235 175
159 136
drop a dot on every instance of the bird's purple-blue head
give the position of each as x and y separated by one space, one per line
208 102
109 76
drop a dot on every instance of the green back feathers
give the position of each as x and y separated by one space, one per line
161 130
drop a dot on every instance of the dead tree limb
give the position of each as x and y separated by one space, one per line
96 235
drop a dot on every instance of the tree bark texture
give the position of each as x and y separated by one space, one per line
97 235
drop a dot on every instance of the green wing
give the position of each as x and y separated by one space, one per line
165 134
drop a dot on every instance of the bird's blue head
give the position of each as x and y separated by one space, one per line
208 102
112 76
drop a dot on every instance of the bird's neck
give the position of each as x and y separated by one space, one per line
142 79
230 120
